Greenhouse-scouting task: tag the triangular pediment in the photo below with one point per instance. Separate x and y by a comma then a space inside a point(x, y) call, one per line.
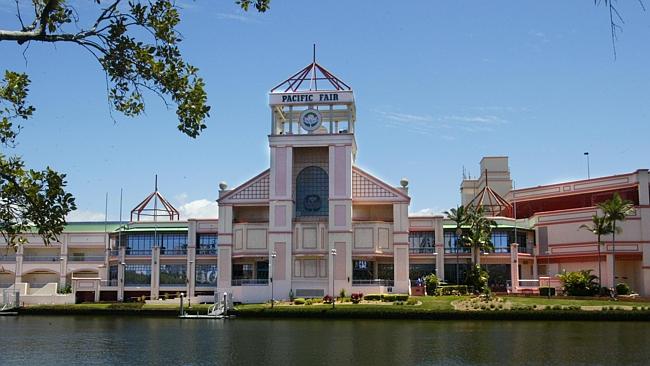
point(253, 190)
point(366, 187)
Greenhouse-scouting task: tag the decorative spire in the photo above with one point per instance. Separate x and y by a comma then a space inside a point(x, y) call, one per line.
point(313, 72)
point(144, 210)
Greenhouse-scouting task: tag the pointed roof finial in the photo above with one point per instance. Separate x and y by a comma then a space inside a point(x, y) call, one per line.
point(314, 57)
point(156, 184)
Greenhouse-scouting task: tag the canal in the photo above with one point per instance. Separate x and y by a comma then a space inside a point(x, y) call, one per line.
point(86, 340)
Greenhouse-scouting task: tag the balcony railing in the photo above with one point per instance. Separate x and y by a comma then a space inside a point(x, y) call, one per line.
point(39, 284)
point(453, 250)
point(206, 284)
point(376, 282)
point(6, 284)
point(206, 251)
point(137, 284)
point(173, 284)
point(138, 252)
point(113, 253)
point(250, 282)
point(86, 258)
point(424, 250)
point(42, 258)
point(7, 258)
point(164, 251)
point(525, 249)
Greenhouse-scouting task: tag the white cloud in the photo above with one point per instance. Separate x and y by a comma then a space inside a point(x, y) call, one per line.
point(237, 17)
point(199, 209)
point(429, 125)
point(85, 215)
point(427, 212)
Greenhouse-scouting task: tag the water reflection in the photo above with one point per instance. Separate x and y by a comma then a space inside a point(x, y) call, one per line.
point(133, 340)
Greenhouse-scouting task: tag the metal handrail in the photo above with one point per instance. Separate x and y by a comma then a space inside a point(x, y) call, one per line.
point(142, 252)
point(173, 251)
point(6, 284)
point(206, 284)
point(376, 282)
point(250, 282)
point(206, 251)
point(454, 250)
point(422, 250)
point(41, 258)
point(88, 258)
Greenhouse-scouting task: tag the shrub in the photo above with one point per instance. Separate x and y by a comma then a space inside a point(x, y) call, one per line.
point(402, 297)
point(411, 302)
point(388, 298)
point(372, 297)
point(299, 301)
point(64, 290)
point(579, 283)
point(327, 299)
point(356, 298)
point(309, 302)
point(451, 290)
point(623, 289)
point(342, 293)
point(477, 278)
point(431, 282)
point(547, 291)
point(398, 303)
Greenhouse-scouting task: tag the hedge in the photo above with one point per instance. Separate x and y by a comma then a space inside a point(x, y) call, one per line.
point(452, 290)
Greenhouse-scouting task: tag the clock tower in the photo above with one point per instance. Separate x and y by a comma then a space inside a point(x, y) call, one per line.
point(312, 148)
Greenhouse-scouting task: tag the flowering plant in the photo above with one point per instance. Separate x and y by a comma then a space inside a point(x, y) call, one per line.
point(356, 298)
point(327, 299)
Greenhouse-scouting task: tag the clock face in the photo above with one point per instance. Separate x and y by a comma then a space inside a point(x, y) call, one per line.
point(310, 119)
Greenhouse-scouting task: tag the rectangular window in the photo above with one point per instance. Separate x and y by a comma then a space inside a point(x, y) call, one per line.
point(262, 270)
point(173, 244)
point(206, 275)
point(242, 271)
point(385, 271)
point(456, 273)
point(173, 275)
point(206, 244)
point(421, 270)
point(422, 242)
point(137, 275)
point(112, 275)
point(363, 270)
point(500, 241)
point(452, 245)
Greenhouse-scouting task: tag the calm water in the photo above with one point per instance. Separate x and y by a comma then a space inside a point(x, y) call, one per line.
point(32, 340)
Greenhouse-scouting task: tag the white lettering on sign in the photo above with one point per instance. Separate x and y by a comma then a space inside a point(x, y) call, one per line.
point(311, 98)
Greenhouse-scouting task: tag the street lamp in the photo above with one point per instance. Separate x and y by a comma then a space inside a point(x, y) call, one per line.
point(273, 255)
point(548, 272)
point(333, 253)
point(588, 169)
point(459, 233)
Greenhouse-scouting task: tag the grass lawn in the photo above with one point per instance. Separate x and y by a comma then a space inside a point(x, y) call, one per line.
point(539, 300)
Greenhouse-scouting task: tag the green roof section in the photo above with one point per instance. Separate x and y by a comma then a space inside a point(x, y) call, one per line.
point(114, 226)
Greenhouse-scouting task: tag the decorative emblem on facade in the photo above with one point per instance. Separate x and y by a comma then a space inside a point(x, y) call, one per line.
point(312, 203)
point(310, 119)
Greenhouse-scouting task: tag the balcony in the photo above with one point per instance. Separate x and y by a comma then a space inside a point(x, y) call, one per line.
point(114, 253)
point(250, 282)
point(206, 251)
point(375, 282)
point(173, 284)
point(164, 251)
point(525, 249)
point(7, 258)
point(42, 258)
point(138, 252)
point(206, 284)
point(454, 250)
point(423, 250)
point(86, 258)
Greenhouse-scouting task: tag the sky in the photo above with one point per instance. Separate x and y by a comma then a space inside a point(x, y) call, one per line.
point(438, 85)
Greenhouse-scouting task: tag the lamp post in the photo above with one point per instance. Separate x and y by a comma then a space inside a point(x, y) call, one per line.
point(586, 153)
point(333, 253)
point(273, 255)
point(548, 272)
point(459, 233)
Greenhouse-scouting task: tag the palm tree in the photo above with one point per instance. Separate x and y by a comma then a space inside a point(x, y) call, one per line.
point(479, 233)
point(600, 226)
point(459, 216)
point(616, 209)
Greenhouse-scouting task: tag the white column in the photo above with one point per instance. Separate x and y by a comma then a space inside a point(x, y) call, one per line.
point(514, 266)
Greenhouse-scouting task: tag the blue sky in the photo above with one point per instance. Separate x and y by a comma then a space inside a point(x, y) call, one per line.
point(438, 85)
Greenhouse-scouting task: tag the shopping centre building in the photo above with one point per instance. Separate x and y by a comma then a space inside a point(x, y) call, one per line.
point(315, 223)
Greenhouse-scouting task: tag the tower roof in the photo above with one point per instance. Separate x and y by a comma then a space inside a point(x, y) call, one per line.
point(155, 208)
point(312, 77)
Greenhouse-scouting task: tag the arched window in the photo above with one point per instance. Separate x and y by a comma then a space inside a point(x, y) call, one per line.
point(312, 193)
